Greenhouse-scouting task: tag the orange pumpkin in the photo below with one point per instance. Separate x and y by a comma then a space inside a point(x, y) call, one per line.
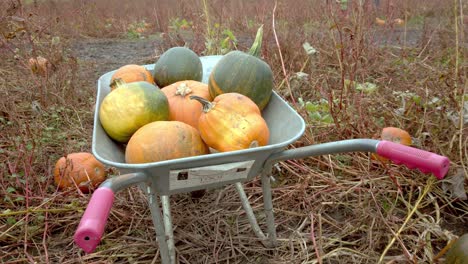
point(232, 122)
point(395, 135)
point(164, 140)
point(131, 73)
point(181, 107)
point(79, 169)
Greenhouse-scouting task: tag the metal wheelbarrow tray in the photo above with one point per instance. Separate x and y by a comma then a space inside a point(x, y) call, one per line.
point(218, 169)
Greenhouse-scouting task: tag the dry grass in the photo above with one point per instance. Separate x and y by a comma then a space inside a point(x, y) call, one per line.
point(360, 211)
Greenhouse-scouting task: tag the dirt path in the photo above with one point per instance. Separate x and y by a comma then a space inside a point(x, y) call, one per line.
point(98, 56)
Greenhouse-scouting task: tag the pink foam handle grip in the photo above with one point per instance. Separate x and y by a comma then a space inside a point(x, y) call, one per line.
point(425, 161)
point(92, 224)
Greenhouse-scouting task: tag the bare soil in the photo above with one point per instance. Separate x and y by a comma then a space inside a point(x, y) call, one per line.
point(98, 56)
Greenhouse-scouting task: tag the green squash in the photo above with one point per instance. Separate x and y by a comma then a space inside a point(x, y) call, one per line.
point(243, 73)
point(131, 106)
point(177, 64)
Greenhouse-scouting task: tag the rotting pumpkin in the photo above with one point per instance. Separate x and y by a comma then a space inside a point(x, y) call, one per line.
point(80, 169)
point(181, 107)
point(243, 73)
point(232, 122)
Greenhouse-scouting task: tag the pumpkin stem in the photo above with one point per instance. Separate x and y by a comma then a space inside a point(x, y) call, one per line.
point(254, 144)
point(117, 83)
point(257, 45)
point(207, 105)
point(183, 90)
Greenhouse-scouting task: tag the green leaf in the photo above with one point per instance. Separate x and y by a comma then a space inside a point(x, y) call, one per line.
point(416, 99)
point(11, 221)
point(19, 199)
point(366, 87)
point(257, 45)
point(55, 40)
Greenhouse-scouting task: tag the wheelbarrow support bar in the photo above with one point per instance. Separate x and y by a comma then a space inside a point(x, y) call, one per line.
point(92, 224)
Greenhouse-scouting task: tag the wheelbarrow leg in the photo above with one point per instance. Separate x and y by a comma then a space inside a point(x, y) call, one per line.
point(268, 207)
point(168, 226)
point(158, 225)
point(251, 216)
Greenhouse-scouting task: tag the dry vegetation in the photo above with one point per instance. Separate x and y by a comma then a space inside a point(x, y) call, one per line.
point(354, 206)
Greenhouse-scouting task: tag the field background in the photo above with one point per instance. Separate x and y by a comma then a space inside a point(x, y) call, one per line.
point(357, 76)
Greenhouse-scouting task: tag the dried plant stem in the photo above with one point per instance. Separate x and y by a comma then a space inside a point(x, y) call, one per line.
point(28, 211)
point(461, 119)
point(44, 238)
point(286, 77)
point(408, 217)
point(405, 250)
point(312, 235)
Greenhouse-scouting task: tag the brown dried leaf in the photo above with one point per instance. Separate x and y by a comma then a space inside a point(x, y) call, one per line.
point(455, 185)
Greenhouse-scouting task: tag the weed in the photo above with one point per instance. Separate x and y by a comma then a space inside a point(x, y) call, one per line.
point(136, 29)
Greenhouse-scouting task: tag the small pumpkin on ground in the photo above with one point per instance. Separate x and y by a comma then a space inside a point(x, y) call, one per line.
point(79, 169)
point(181, 107)
point(232, 122)
point(164, 140)
point(396, 135)
point(243, 73)
point(131, 106)
point(131, 73)
point(177, 64)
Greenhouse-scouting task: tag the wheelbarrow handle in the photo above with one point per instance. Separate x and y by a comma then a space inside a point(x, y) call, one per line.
point(93, 222)
point(413, 158)
point(425, 161)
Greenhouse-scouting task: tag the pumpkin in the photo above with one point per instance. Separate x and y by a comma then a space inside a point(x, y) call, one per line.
point(232, 122)
point(177, 64)
point(164, 140)
point(131, 73)
point(396, 135)
point(243, 73)
point(131, 106)
point(458, 252)
point(181, 107)
point(79, 169)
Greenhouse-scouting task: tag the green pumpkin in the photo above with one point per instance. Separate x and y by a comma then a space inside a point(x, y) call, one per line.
point(177, 64)
point(243, 73)
point(458, 252)
point(131, 106)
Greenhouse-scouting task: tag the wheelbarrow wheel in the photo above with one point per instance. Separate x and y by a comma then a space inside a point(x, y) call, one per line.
point(196, 195)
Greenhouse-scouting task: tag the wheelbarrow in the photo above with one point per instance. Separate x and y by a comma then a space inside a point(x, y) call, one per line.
point(161, 179)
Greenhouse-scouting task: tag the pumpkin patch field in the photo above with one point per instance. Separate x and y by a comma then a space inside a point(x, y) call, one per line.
point(389, 70)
